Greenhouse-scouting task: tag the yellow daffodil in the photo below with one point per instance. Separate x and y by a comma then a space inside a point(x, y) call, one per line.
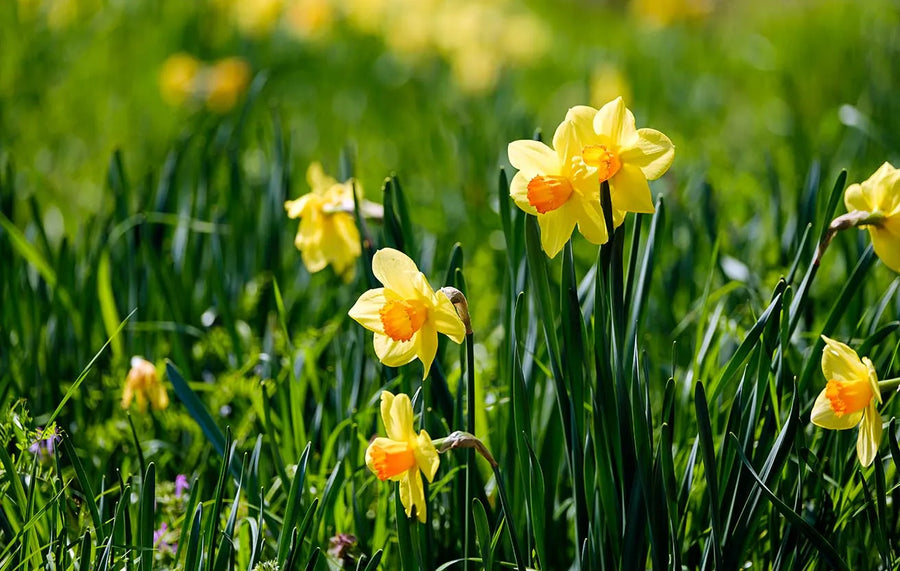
point(401, 455)
point(406, 315)
point(144, 385)
point(557, 186)
point(328, 233)
point(561, 186)
point(177, 78)
point(226, 81)
point(850, 398)
point(880, 197)
point(625, 156)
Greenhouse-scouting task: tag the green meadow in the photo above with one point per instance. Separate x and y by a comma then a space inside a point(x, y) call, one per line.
point(217, 350)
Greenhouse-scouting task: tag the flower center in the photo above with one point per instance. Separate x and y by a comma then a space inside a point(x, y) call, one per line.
point(402, 318)
point(848, 397)
point(548, 193)
point(606, 161)
point(390, 458)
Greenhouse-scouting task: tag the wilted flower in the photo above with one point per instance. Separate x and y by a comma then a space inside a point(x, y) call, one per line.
point(144, 385)
point(406, 315)
point(401, 455)
point(343, 547)
point(879, 195)
point(328, 233)
point(850, 398)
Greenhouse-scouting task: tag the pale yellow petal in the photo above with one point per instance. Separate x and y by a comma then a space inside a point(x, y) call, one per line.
point(394, 353)
point(841, 363)
point(591, 223)
point(533, 158)
point(518, 191)
point(415, 494)
point(887, 194)
point(318, 181)
point(616, 122)
point(366, 310)
point(445, 319)
point(556, 228)
point(652, 151)
point(427, 456)
point(869, 438)
point(426, 343)
point(396, 271)
point(822, 415)
point(397, 416)
point(406, 496)
point(295, 208)
point(576, 130)
point(887, 244)
point(629, 190)
point(854, 199)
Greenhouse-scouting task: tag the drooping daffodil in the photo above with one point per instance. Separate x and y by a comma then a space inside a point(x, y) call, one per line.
point(850, 398)
point(879, 196)
point(328, 234)
point(144, 386)
point(403, 454)
point(561, 185)
point(406, 314)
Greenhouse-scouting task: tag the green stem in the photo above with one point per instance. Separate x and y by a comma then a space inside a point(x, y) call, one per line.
point(510, 520)
point(889, 384)
point(470, 428)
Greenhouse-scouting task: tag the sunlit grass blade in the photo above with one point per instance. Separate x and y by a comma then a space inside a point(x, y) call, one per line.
point(147, 518)
point(292, 507)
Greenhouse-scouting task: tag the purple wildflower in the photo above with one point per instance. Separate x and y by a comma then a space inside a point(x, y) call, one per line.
point(181, 484)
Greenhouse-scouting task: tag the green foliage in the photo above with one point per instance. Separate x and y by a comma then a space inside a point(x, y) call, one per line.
point(647, 403)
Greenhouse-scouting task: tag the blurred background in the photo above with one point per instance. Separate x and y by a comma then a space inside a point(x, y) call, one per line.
point(434, 90)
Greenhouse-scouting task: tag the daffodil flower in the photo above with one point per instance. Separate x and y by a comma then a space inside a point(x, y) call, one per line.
point(850, 398)
point(561, 185)
point(406, 315)
point(403, 454)
point(328, 233)
point(143, 385)
point(625, 156)
point(880, 197)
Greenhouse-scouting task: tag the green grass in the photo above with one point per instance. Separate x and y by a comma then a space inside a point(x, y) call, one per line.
point(647, 401)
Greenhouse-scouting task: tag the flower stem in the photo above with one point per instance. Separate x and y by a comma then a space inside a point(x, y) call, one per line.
point(510, 520)
point(470, 428)
point(889, 384)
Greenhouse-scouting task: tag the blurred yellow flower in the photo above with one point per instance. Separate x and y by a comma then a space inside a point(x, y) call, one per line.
point(226, 81)
point(625, 156)
point(406, 315)
point(143, 384)
point(880, 196)
point(256, 18)
point(307, 18)
point(328, 232)
point(850, 398)
point(177, 78)
point(557, 186)
point(401, 455)
point(667, 12)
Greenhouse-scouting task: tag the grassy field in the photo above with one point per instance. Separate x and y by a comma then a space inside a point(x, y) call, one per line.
point(182, 387)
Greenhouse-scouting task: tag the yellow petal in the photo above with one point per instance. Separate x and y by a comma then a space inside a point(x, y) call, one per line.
point(366, 310)
point(394, 353)
point(295, 208)
point(854, 199)
point(652, 151)
point(396, 271)
point(841, 363)
point(426, 343)
point(533, 158)
point(317, 179)
point(822, 415)
point(518, 191)
point(556, 228)
point(616, 122)
point(573, 133)
point(427, 456)
point(887, 195)
point(393, 455)
point(591, 223)
point(629, 190)
point(412, 490)
point(869, 436)
point(445, 318)
point(405, 493)
point(886, 242)
point(397, 416)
